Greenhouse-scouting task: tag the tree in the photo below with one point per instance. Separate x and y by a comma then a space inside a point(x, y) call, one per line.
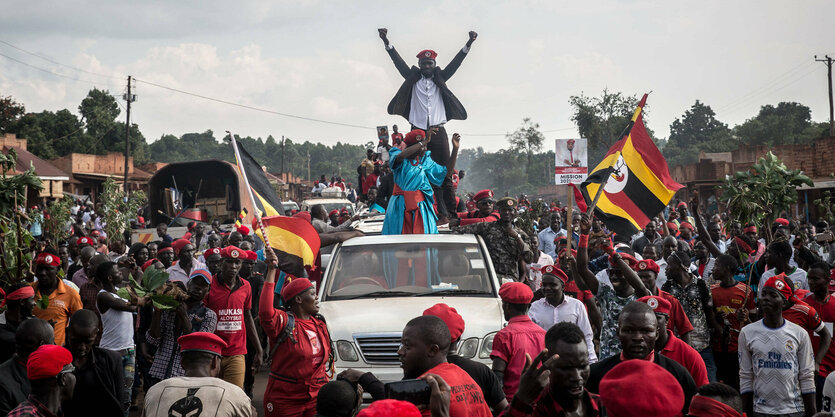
point(528, 139)
point(50, 135)
point(602, 119)
point(15, 241)
point(118, 209)
point(696, 131)
point(760, 194)
point(10, 112)
point(99, 111)
point(786, 123)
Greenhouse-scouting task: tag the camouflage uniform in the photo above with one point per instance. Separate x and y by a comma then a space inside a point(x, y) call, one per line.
point(503, 249)
point(611, 305)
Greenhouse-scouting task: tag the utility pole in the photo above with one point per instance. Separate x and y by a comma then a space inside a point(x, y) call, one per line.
point(282, 154)
point(308, 165)
point(130, 98)
point(828, 62)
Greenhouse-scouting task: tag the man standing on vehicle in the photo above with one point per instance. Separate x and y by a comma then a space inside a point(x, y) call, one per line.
point(506, 243)
point(484, 213)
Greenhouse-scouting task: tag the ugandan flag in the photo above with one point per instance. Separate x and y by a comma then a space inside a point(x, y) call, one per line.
point(639, 184)
point(241, 217)
point(266, 200)
point(293, 235)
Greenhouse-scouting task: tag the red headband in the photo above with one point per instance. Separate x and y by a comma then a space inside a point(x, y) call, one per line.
point(708, 407)
point(18, 294)
point(165, 249)
point(750, 229)
point(742, 245)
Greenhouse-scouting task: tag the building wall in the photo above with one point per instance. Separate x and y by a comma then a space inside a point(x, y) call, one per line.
point(12, 141)
point(77, 163)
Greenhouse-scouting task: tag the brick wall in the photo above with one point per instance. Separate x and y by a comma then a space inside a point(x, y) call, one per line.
point(12, 141)
point(113, 163)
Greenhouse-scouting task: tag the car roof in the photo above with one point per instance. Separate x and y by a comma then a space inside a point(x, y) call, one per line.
point(426, 238)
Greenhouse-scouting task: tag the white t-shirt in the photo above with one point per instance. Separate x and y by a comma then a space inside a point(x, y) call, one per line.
point(536, 269)
point(828, 393)
point(777, 366)
point(214, 396)
point(571, 310)
point(117, 327)
point(798, 277)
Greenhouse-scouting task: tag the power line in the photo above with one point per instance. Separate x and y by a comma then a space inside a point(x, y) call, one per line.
point(771, 83)
point(742, 105)
point(58, 63)
point(55, 73)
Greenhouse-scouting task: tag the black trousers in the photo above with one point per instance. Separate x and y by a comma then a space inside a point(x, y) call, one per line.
point(445, 194)
point(727, 368)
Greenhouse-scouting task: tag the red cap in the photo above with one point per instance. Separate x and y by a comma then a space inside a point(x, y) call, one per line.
point(242, 229)
point(657, 304)
point(672, 226)
point(481, 195)
point(390, 408)
point(179, 244)
point(411, 138)
point(84, 240)
point(686, 225)
point(148, 263)
point(294, 288)
point(516, 293)
point(201, 273)
point(570, 141)
point(211, 251)
point(48, 259)
point(47, 362)
point(781, 284)
point(648, 265)
point(201, 342)
point(553, 270)
point(251, 256)
point(782, 222)
point(426, 54)
point(233, 252)
point(624, 390)
point(303, 215)
point(681, 204)
point(332, 212)
point(453, 320)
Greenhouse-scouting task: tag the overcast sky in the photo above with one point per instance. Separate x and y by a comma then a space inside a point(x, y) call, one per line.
point(324, 60)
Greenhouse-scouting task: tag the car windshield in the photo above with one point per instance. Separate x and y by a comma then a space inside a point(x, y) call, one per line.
point(408, 269)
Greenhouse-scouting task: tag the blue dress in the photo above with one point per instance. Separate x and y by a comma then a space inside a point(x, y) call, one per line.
point(413, 175)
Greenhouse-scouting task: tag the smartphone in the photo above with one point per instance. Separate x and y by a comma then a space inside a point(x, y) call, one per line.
point(415, 391)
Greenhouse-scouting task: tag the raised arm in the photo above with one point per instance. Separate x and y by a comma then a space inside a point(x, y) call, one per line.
point(399, 63)
point(450, 164)
point(417, 147)
point(704, 237)
point(583, 256)
point(630, 276)
point(453, 65)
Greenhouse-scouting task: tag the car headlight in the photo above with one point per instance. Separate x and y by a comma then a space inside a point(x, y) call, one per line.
point(486, 346)
point(346, 351)
point(468, 348)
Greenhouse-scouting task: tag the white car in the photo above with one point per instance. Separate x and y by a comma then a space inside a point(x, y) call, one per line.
point(375, 284)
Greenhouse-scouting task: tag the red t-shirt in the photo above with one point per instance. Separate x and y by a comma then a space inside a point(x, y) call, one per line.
point(229, 305)
point(826, 310)
point(466, 398)
point(728, 300)
point(687, 357)
point(678, 322)
point(805, 316)
point(370, 181)
point(510, 344)
point(572, 290)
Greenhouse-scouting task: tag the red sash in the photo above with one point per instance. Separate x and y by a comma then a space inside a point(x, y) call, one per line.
point(412, 220)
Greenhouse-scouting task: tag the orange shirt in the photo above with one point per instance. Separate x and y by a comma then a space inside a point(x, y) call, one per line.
point(62, 303)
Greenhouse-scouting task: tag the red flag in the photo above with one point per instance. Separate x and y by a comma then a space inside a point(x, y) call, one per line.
point(292, 235)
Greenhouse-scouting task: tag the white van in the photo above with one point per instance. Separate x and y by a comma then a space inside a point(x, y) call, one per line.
point(374, 285)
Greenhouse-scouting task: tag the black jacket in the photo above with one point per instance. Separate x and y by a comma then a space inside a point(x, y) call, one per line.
point(100, 384)
point(14, 385)
point(401, 103)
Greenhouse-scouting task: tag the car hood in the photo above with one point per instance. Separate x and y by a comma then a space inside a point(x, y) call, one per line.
point(482, 315)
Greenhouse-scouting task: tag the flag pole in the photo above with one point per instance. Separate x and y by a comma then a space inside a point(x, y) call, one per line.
point(249, 191)
point(599, 192)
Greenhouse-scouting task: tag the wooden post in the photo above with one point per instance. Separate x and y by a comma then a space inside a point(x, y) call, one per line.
point(569, 212)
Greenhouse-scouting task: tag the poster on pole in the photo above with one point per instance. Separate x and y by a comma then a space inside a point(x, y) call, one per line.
point(382, 133)
point(571, 161)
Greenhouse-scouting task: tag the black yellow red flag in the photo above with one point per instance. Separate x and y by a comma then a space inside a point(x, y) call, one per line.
point(266, 200)
point(639, 184)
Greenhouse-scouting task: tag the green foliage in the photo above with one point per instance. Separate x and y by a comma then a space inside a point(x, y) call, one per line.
point(601, 120)
point(13, 187)
point(760, 194)
point(526, 220)
point(15, 241)
point(696, 131)
point(824, 204)
point(785, 123)
point(57, 215)
point(163, 294)
point(118, 210)
point(526, 139)
point(153, 278)
point(10, 112)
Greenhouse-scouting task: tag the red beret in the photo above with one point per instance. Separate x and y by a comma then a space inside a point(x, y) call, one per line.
point(294, 288)
point(781, 284)
point(624, 390)
point(179, 244)
point(47, 362)
point(201, 273)
point(211, 251)
point(243, 230)
point(426, 54)
point(84, 240)
point(481, 195)
point(782, 222)
point(332, 212)
point(657, 304)
point(303, 215)
point(453, 320)
point(648, 265)
point(233, 252)
point(516, 293)
point(47, 259)
point(148, 263)
point(629, 259)
point(563, 250)
point(553, 270)
point(571, 141)
point(686, 225)
point(251, 256)
point(682, 204)
point(672, 226)
point(390, 408)
point(411, 138)
point(201, 342)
